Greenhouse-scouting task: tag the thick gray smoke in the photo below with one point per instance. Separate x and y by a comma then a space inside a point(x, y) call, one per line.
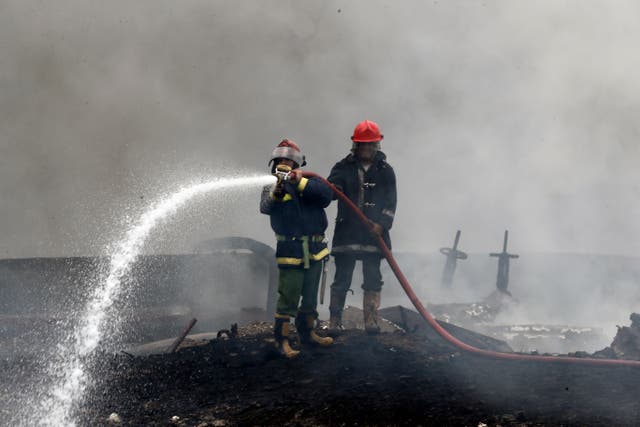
point(496, 114)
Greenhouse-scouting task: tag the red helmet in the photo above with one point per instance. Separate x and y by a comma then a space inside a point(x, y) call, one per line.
point(287, 149)
point(367, 131)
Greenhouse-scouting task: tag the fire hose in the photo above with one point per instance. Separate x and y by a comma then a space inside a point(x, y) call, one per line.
point(436, 326)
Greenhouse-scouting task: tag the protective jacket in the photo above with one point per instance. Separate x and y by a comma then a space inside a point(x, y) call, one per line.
point(299, 221)
point(374, 192)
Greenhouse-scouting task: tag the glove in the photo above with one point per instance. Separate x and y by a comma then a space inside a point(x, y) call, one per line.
point(376, 229)
point(295, 176)
point(278, 190)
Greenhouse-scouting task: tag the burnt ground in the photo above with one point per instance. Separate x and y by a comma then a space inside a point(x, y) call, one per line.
point(390, 379)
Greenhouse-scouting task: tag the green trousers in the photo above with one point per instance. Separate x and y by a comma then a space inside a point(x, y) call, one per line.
point(296, 283)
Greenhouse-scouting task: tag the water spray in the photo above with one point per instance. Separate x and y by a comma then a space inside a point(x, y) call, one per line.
point(76, 354)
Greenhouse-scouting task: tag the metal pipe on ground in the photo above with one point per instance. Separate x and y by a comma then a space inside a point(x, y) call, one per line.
point(174, 346)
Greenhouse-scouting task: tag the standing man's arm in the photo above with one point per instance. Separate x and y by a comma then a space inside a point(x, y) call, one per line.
point(390, 200)
point(336, 177)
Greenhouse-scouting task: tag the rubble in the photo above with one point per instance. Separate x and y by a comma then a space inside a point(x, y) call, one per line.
point(411, 321)
point(481, 317)
point(626, 343)
point(395, 378)
point(470, 314)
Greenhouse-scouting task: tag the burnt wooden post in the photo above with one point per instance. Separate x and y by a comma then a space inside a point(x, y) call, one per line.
point(504, 260)
point(453, 255)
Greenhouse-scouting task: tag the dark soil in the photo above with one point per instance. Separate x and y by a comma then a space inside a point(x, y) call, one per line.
point(390, 379)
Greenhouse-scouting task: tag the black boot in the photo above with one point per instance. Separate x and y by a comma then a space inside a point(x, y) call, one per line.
point(336, 306)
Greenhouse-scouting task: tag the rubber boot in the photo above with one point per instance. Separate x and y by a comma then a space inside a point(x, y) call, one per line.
point(336, 306)
point(370, 305)
point(305, 324)
point(335, 324)
point(281, 334)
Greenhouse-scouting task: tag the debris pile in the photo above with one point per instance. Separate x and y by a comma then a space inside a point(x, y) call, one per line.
point(395, 378)
point(626, 343)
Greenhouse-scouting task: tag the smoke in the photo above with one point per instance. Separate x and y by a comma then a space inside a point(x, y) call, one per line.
point(496, 115)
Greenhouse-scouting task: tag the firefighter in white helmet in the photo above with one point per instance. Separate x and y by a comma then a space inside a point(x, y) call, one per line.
point(296, 208)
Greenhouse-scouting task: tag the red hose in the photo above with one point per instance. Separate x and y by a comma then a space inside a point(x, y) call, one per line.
point(435, 325)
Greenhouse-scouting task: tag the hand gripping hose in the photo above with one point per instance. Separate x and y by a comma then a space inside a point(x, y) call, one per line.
point(435, 325)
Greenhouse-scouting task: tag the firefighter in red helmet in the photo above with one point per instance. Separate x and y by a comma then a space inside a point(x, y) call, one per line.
point(366, 178)
point(295, 206)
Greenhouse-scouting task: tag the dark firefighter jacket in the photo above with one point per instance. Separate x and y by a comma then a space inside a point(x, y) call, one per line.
point(299, 221)
point(374, 192)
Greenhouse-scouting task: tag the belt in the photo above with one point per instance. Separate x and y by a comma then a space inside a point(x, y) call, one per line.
point(305, 244)
point(316, 238)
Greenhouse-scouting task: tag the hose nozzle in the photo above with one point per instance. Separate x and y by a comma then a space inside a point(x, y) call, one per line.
point(282, 173)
